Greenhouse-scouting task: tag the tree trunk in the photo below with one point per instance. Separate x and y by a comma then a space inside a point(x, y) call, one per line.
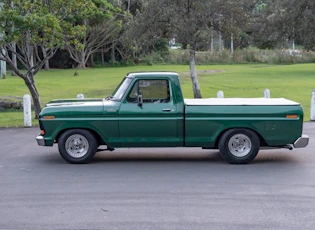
point(293, 41)
point(92, 60)
point(113, 53)
point(128, 7)
point(102, 53)
point(220, 35)
point(193, 74)
point(232, 44)
point(211, 41)
point(82, 63)
point(35, 96)
point(45, 55)
point(31, 75)
point(14, 58)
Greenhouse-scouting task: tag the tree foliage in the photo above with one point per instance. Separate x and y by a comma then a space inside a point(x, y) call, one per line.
point(31, 24)
point(186, 20)
point(102, 28)
point(277, 22)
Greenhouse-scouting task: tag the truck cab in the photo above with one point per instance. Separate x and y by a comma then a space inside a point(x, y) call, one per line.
point(151, 113)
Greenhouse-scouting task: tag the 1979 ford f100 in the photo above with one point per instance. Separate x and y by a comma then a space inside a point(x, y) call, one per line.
point(148, 110)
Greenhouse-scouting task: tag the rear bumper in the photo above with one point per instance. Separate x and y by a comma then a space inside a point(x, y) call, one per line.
point(40, 140)
point(301, 142)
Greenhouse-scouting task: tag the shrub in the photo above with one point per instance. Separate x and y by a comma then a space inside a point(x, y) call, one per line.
point(248, 55)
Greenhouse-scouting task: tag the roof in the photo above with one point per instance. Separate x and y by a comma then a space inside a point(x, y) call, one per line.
point(151, 73)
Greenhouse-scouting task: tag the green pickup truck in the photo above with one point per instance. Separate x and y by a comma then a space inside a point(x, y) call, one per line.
point(148, 110)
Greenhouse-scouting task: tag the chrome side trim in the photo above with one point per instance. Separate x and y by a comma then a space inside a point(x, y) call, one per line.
point(40, 140)
point(301, 142)
point(290, 147)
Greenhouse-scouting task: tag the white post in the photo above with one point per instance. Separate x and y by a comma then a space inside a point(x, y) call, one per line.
point(3, 68)
point(313, 106)
point(220, 94)
point(27, 110)
point(80, 95)
point(266, 93)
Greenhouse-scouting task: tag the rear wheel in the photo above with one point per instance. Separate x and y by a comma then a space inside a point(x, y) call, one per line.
point(239, 146)
point(77, 146)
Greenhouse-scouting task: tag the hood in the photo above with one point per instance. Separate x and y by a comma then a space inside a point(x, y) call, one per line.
point(73, 107)
point(72, 101)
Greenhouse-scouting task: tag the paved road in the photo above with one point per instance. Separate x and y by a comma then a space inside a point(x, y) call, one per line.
point(154, 188)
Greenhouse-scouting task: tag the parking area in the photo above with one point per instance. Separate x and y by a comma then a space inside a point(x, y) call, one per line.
point(179, 188)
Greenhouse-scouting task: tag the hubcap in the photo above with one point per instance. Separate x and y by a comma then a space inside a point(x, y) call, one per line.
point(77, 146)
point(240, 145)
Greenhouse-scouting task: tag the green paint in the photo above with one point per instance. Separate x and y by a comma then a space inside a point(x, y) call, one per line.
point(121, 123)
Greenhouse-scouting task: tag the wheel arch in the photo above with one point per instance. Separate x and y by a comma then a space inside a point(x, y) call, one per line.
point(262, 140)
point(98, 137)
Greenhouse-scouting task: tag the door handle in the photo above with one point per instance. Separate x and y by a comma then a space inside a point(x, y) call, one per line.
point(166, 110)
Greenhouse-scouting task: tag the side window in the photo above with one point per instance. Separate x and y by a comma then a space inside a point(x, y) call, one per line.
point(152, 91)
point(132, 97)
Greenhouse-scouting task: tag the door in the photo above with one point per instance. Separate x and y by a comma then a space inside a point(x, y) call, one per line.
point(152, 121)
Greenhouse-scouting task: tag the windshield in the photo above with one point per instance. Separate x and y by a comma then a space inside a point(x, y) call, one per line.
point(121, 89)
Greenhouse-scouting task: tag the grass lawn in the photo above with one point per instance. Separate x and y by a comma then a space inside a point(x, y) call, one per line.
point(294, 82)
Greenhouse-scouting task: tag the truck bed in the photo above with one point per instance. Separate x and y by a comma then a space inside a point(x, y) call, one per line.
point(239, 101)
point(205, 119)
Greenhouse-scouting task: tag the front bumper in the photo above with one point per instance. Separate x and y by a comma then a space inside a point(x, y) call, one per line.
point(40, 140)
point(301, 142)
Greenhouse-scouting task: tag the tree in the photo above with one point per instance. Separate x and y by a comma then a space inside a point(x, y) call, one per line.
point(31, 24)
point(302, 27)
point(102, 26)
point(277, 22)
point(167, 19)
point(187, 20)
point(267, 30)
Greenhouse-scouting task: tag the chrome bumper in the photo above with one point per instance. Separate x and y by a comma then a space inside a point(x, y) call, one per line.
point(40, 140)
point(301, 142)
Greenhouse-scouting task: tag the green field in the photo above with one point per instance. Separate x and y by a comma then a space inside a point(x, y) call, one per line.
point(294, 82)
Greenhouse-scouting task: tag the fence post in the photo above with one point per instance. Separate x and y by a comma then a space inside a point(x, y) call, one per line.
point(27, 110)
point(80, 95)
point(3, 68)
point(313, 106)
point(220, 94)
point(266, 93)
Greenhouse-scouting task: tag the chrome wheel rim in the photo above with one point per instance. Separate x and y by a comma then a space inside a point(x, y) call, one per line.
point(240, 145)
point(77, 146)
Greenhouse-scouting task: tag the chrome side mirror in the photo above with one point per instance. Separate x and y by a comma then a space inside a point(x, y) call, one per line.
point(139, 99)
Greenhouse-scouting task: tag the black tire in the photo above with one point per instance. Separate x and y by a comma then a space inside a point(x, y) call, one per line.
point(77, 146)
point(239, 146)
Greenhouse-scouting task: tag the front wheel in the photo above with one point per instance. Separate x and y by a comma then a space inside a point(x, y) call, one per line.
point(239, 146)
point(77, 146)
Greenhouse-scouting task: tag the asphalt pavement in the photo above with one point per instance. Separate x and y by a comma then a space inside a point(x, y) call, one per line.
point(168, 188)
